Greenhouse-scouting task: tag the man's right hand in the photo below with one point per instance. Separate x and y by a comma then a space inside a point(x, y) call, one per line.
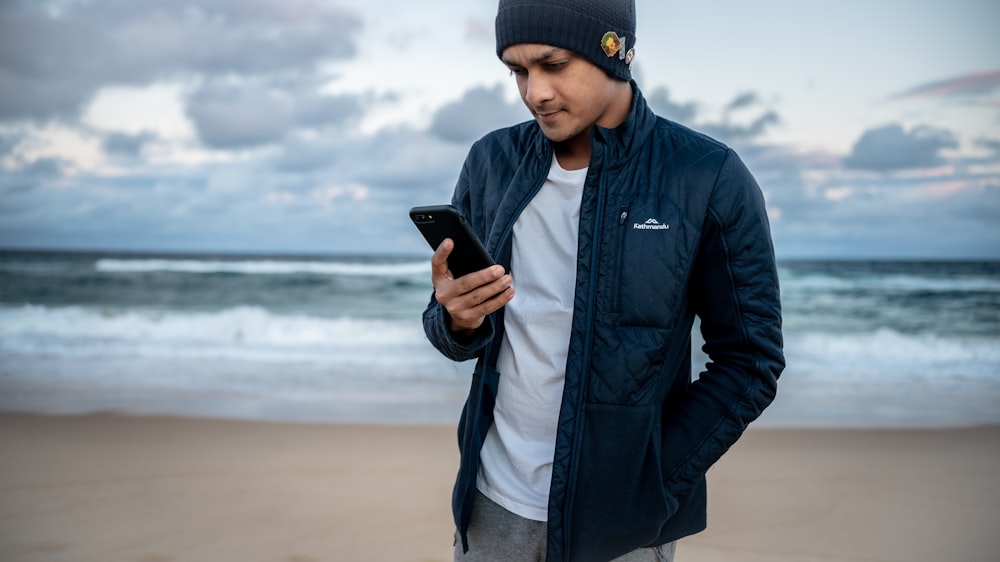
point(470, 298)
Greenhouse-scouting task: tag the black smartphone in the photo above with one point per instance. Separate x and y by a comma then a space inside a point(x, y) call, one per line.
point(437, 222)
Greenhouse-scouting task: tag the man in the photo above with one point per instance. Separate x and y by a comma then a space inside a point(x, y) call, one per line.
point(583, 437)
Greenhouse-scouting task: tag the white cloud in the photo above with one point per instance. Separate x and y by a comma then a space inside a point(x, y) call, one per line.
point(157, 108)
point(837, 193)
point(79, 150)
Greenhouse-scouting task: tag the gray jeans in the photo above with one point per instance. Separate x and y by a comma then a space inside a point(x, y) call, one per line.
point(497, 535)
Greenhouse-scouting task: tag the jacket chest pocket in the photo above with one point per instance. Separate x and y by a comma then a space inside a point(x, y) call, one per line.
point(645, 254)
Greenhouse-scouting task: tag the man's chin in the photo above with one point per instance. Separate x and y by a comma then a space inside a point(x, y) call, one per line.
point(555, 134)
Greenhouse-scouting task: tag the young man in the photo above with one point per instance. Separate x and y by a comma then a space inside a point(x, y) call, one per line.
point(583, 436)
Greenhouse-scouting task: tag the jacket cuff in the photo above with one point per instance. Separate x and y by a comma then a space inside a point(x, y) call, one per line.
point(436, 322)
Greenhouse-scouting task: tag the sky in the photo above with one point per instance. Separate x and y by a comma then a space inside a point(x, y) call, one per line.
point(311, 126)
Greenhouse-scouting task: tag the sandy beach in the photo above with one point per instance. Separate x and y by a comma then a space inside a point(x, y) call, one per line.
point(112, 488)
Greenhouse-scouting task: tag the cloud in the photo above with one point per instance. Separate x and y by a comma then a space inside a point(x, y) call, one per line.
point(661, 104)
point(890, 148)
point(53, 62)
point(232, 115)
point(124, 144)
point(479, 111)
point(993, 145)
point(315, 193)
point(8, 140)
point(827, 208)
point(849, 216)
point(479, 31)
point(413, 163)
point(746, 135)
point(280, 96)
point(739, 135)
point(744, 100)
point(979, 83)
point(400, 161)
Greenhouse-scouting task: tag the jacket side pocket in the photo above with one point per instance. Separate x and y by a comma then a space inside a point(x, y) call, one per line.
point(620, 503)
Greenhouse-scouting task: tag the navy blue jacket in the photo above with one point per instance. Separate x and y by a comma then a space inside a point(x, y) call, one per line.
point(672, 225)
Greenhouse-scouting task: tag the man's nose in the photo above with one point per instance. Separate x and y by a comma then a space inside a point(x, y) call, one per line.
point(538, 89)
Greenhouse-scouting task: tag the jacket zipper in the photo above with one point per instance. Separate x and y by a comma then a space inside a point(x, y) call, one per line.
point(616, 279)
point(585, 371)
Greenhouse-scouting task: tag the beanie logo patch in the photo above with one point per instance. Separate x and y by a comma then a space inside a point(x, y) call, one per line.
point(612, 44)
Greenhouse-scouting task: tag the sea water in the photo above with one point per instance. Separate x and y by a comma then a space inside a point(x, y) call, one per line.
point(340, 339)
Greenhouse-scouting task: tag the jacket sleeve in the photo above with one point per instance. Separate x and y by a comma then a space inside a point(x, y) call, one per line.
point(734, 291)
point(435, 317)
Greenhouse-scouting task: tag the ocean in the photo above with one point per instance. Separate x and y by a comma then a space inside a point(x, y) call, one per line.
point(869, 344)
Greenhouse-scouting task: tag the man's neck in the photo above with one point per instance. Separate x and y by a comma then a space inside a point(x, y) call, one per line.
point(574, 153)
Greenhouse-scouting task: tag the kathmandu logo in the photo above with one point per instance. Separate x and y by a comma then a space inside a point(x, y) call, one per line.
point(651, 224)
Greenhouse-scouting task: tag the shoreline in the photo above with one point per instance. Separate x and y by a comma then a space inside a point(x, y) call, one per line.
point(158, 488)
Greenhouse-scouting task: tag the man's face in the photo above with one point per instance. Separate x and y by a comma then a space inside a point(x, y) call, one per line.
point(565, 93)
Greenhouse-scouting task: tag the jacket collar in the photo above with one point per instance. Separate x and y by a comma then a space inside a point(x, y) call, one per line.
point(620, 142)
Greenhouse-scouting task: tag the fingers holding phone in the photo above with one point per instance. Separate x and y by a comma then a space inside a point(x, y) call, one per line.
point(469, 299)
point(466, 282)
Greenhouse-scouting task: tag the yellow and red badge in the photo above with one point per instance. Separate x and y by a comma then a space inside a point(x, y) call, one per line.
point(612, 44)
point(615, 45)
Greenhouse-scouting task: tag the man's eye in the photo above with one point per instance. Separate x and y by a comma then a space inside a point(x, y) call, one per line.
point(552, 66)
point(518, 72)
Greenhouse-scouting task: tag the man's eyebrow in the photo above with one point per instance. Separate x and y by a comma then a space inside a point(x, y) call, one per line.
point(542, 57)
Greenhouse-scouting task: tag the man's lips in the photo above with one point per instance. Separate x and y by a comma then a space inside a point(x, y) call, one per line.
point(546, 115)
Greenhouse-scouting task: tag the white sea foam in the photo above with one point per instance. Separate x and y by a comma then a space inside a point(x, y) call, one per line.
point(253, 333)
point(239, 362)
point(879, 343)
point(263, 267)
point(243, 332)
point(886, 347)
point(818, 282)
point(887, 378)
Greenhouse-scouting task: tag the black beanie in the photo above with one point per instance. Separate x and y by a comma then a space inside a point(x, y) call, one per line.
point(601, 31)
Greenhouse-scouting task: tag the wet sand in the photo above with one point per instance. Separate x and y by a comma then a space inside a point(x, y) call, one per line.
point(116, 488)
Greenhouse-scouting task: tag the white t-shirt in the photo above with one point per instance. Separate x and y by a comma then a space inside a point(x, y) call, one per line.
point(516, 459)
